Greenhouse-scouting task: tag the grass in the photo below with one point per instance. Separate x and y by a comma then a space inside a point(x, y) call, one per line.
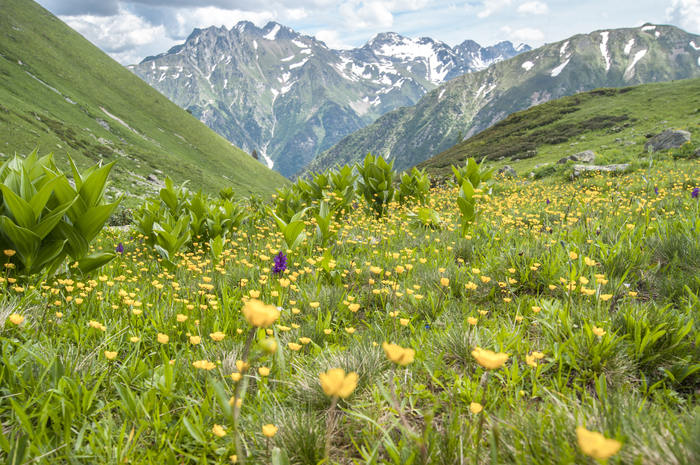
point(600, 275)
point(68, 113)
point(613, 123)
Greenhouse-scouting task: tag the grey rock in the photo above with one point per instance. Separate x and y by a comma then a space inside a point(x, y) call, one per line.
point(631, 142)
point(696, 154)
point(531, 175)
point(540, 165)
point(578, 169)
point(508, 171)
point(524, 155)
point(158, 172)
point(667, 140)
point(586, 156)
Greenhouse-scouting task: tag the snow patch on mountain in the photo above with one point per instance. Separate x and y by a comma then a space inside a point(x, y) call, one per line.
point(648, 28)
point(604, 49)
point(692, 44)
point(301, 63)
point(637, 56)
point(556, 71)
point(289, 58)
point(528, 65)
point(562, 51)
point(628, 47)
point(273, 33)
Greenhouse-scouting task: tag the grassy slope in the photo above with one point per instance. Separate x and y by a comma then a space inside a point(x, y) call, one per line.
point(31, 114)
point(582, 122)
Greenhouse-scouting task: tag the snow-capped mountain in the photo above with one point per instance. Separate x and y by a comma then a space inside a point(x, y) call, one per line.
point(290, 97)
point(475, 101)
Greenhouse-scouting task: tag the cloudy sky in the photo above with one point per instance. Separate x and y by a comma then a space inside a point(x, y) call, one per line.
point(131, 30)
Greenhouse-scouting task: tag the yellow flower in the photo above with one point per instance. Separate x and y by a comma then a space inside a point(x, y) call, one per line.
point(400, 269)
point(294, 346)
point(314, 304)
point(398, 354)
point(110, 355)
point(242, 366)
point(181, 318)
point(530, 359)
point(217, 336)
point(444, 282)
point(573, 255)
point(269, 430)
point(195, 340)
point(404, 321)
point(537, 309)
point(264, 371)
point(258, 314)
point(304, 340)
point(204, 365)
point(476, 270)
point(354, 307)
point(134, 339)
point(475, 407)
point(162, 338)
point(9, 253)
point(336, 383)
point(489, 359)
point(236, 376)
point(15, 318)
point(596, 445)
point(234, 458)
point(327, 331)
point(599, 331)
point(472, 321)
point(485, 279)
point(218, 430)
point(605, 297)
point(350, 330)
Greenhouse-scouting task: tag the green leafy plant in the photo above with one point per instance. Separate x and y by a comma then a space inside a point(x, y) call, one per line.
point(472, 180)
point(44, 219)
point(414, 188)
point(376, 183)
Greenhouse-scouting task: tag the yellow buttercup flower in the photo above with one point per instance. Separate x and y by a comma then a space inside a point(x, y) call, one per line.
point(204, 365)
point(354, 307)
point(181, 318)
point(269, 430)
point(294, 346)
point(15, 319)
point(304, 340)
point(259, 314)
point(600, 332)
point(217, 336)
point(476, 407)
point(110, 355)
point(472, 321)
point(163, 339)
point(398, 354)
point(489, 359)
point(404, 321)
point(195, 340)
point(218, 430)
point(242, 366)
point(444, 282)
point(264, 371)
point(336, 383)
point(596, 445)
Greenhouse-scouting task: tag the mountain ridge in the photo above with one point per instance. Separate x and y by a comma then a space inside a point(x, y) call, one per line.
point(289, 96)
point(473, 102)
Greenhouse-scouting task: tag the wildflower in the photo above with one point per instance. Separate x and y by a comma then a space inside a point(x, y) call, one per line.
point(404, 321)
point(400, 269)
point(398, 354)
point(548, 201)
point(120, 248)
point(489, 359)
point(600, 332)
point(444, 282)
point(314, 304)
point(110, 355)
point(181, 318)
point(242, 366)
point(530, 359)
point(16, 319)
point(59, 315)
point(9, 253)
point(204, 365)
point(218, 430)
point(134, 339)
point(354, 307)
point(304, 340)
point(162, 338)
point(327, 331)
point(596, 445)
point(485, 279)
point(695, 193)
point(280, 263)
point(605, 297)
point(336, 383)
point(217, 336)
point(294, 346)
point(537, 309)
point(195, 340)
point(475, 407)
point(573, 255)
point(258, 314)
point(269, 430)
point(472, 321)
point(97, 325)
point(350, 330)
point(236, 376)
point(264, 371)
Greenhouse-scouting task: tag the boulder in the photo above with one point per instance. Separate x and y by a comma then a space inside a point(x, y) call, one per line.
point(578, 169)
point(152, 178)
point(696, 154)
point(667, 140)
point(586, 156)
point(508, 171)
point(524, 155)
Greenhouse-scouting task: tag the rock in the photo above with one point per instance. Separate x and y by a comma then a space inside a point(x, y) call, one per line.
point(158, 172)
point(540, 165)
point(152, 178)
point(696, 154)
point(508, 171)
point(524, 155)
point(667, 140)
point(586, 156)
point(578, 169)
point(631, 142)
point(531, 175)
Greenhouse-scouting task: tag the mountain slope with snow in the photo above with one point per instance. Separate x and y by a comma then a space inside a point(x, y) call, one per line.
point(290, 97)
point(473, 102)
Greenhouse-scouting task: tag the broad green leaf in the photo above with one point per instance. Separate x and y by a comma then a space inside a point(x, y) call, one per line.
point(20, 209)
point(24, 242)
point(77, 178)
point(293, 232)
point(195, 431)
point(77, 246)
point(95, 261)
point(93, 188)
point(50, 221)
point(49, 252)
point(38, 201)
point(91, 223)
point(65, 193)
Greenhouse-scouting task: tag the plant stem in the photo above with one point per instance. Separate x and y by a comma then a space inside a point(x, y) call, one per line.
point(329, 429)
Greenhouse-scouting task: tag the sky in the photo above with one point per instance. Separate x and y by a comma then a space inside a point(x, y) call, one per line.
point(129, 31)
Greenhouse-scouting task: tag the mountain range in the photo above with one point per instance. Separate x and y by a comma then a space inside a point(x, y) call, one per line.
point(470, 103)
point(290, 97)
point(61, 93)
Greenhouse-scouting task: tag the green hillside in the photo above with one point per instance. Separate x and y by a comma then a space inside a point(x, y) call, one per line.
point(61, 93)
point(613, 123)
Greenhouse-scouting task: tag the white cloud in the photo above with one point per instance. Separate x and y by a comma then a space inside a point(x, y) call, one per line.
point(525, 34)
point(357, 15)
point(332, 39)
point(188, 19)
point(686, 13)
point(493, 6)
point(533, 8)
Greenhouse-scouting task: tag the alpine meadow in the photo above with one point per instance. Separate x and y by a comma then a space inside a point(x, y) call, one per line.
point(524, 292)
